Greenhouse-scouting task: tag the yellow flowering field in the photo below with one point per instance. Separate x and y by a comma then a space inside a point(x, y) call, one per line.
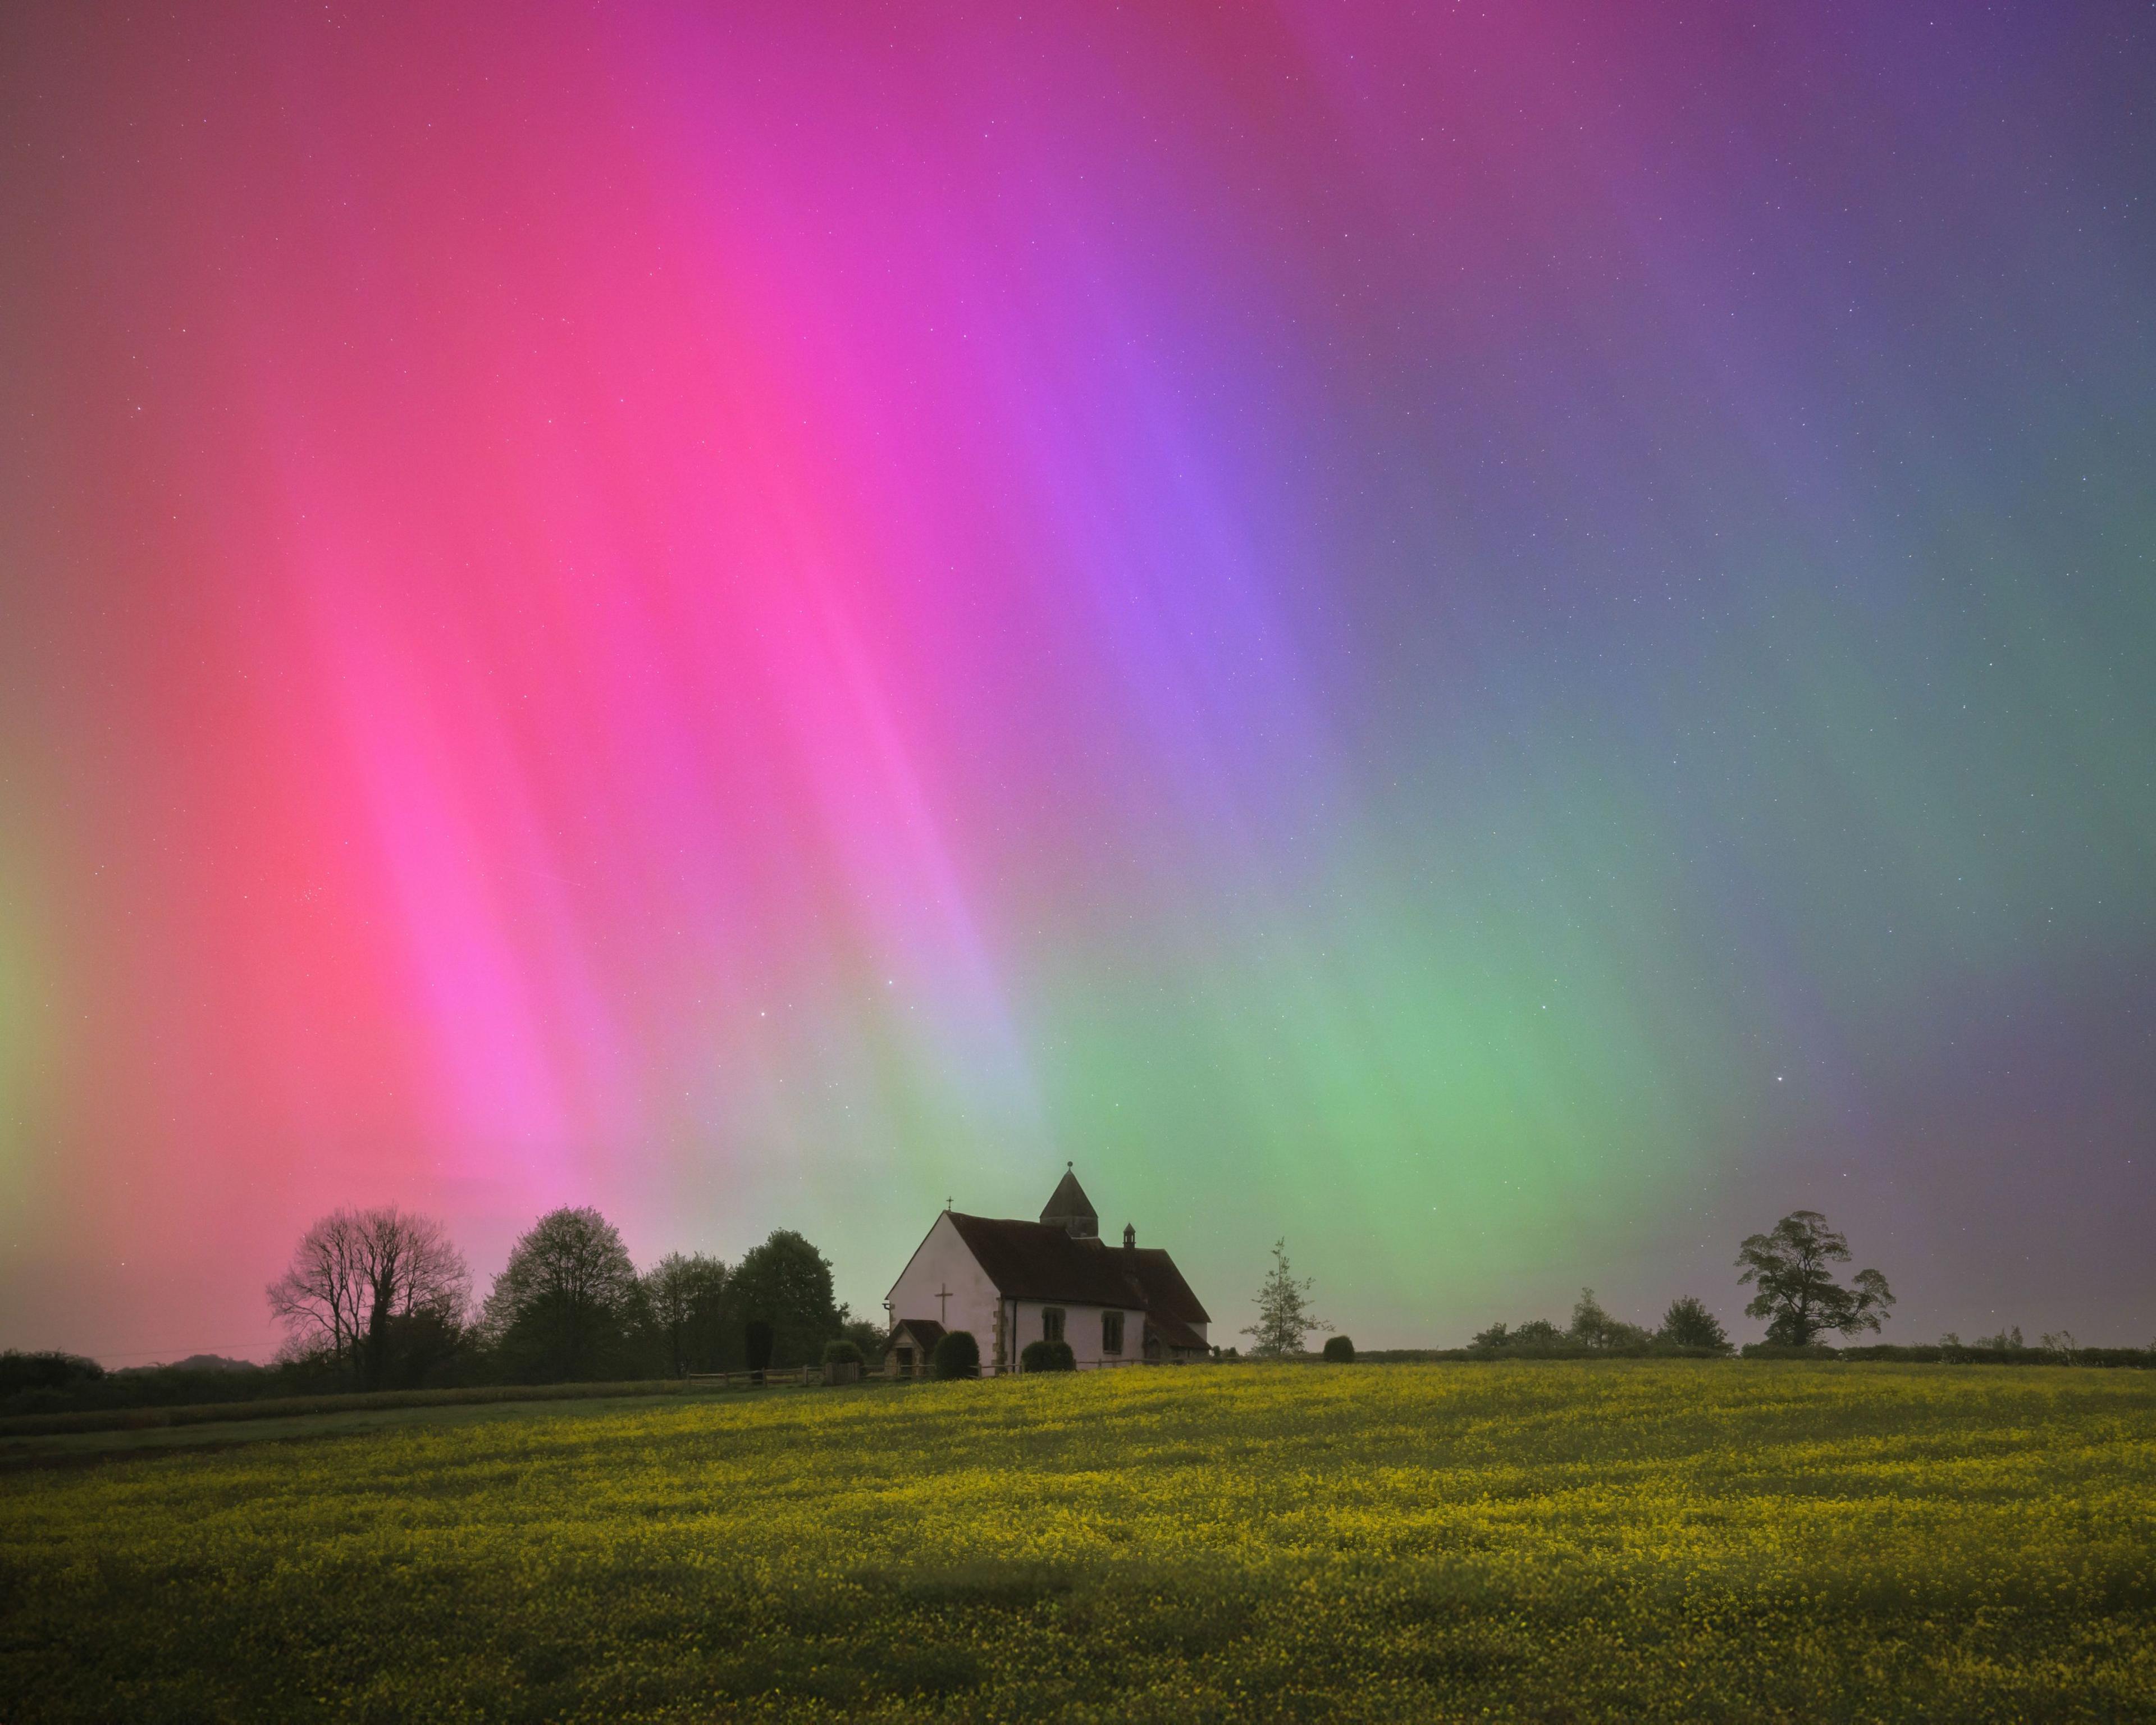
point(1627, 1540)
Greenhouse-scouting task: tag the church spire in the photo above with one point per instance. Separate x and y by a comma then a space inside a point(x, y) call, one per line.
point(1070, 1209)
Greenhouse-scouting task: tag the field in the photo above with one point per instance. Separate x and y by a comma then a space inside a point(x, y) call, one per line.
point(1618, 1541)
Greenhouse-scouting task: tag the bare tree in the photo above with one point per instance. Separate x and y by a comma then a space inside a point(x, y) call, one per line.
point(355, 1273)
point(1284, 1313)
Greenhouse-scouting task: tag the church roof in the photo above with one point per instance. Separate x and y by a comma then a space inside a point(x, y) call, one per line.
point(1038, 1260)
point(926, 1331)
point(1172, 1331)
point(1069, 1203)
point(1166, 1291)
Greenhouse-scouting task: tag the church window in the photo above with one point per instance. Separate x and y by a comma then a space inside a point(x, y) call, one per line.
point(1111, 1332)
point(1051, 1324)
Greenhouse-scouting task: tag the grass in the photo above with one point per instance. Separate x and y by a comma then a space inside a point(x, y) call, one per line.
point(1614, 1541)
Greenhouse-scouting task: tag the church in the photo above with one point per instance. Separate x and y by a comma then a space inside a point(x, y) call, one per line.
point(1012, 1283)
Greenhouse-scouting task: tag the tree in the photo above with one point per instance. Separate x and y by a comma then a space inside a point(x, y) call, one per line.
point(568, 1303)
point(1284, 1314)
point(868, 1337)
point(786, 1283)
point(1689, 1324)
point(1797, 1294)
point(363, 1281)
point(1340, 1350)
point(685, 1296)
point(1594, 1327)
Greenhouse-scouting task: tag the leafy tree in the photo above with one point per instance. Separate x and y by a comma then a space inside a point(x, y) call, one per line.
point(1489, 1340)
point(843, 1352)
point(786, 1283)
point(1797, 1294)
point(1285, 1317)
point(686, 1298)
point(1340, 1350)
point(568, 1304)
point(958, 1355)
point(1594, 1327)
point(1537, 1333)
point(363, 1281)
point(1689, 1324)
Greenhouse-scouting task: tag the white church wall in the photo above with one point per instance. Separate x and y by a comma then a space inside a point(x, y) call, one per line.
point(944, 1261)
point(1082, 1329)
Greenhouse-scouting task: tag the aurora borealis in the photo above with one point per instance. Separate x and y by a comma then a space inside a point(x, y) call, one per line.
point(1505, 642)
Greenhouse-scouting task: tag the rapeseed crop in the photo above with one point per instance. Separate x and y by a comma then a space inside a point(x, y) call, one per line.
point(1620, 1541)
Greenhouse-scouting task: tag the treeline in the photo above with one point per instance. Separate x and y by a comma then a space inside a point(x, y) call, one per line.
point(1989, 1351)
point(380, 1300)
point(1687, 1329)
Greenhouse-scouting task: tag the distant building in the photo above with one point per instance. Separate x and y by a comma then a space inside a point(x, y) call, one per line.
point(1011, 1283)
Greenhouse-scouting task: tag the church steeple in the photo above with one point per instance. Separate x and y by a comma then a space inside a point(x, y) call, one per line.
point(1070, 1209)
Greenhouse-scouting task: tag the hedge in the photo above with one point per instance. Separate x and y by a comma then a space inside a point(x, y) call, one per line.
point(286, 1407)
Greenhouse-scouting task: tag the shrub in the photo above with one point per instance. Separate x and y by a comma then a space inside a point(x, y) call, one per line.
point(958, 1355)
point(842, 1352)
point(1047, 1357)
point(1340, 1350)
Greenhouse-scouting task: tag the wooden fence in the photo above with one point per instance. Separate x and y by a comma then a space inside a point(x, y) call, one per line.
point(848, 1371)
point(777, 1376)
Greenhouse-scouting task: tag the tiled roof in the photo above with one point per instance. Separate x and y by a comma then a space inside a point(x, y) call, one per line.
point(926, 1331)
point(1166, 1291)
point(1172, 1331)
point(1032, 1260)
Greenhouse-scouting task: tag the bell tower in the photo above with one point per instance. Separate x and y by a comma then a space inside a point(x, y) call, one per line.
point(1070, 1209)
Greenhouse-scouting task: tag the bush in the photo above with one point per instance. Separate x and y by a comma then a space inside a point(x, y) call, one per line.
point(1047, 1357)
point(1340, 1350)
point(842, 1352)
point(958, 1355)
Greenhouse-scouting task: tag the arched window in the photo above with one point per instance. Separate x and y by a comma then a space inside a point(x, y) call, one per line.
point(1051, 1324)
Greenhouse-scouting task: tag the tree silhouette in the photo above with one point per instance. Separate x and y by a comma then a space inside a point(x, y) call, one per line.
point(568, 1301)
point(358, 1278)
point(1797, 1294)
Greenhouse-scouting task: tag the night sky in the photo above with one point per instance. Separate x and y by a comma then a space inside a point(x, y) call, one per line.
point(1506, 641)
